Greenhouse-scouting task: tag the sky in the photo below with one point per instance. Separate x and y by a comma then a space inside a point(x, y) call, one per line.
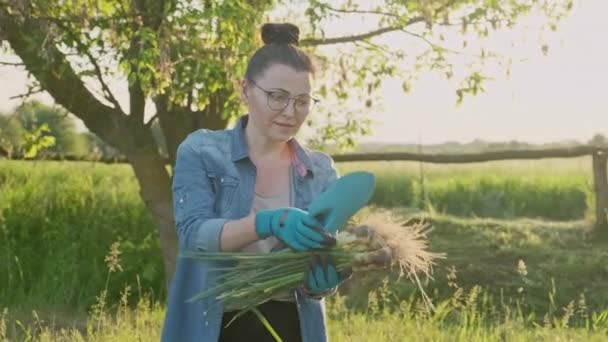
point(561, 96)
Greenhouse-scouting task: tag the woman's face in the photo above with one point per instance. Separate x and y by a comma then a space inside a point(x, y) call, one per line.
point(278, 101)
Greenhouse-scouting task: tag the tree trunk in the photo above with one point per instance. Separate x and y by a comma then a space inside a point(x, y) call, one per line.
point(155, 190)
point(600, 181)
point(177, 122)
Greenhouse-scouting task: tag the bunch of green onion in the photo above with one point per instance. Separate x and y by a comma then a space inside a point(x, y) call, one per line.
point(250, 279)
point(247, 280)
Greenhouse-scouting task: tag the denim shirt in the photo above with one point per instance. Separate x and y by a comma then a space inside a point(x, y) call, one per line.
point(213, 182)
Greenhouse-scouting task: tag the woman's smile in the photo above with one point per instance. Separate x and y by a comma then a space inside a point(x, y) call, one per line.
point(284, 125)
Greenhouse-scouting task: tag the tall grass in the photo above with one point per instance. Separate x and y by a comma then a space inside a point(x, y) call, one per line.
point(56, 223)
point(465, 316)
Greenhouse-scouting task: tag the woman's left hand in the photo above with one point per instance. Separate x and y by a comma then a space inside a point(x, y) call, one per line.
point(322, 275)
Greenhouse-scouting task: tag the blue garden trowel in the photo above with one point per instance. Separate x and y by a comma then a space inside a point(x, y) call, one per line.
point(344, 197)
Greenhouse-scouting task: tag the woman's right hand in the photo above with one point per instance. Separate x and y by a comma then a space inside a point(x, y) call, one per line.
point(294, 227)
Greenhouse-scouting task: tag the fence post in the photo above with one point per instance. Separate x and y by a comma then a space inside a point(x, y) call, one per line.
point(600, 182)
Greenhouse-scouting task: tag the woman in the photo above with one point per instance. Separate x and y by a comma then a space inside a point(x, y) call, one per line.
point(245, 189)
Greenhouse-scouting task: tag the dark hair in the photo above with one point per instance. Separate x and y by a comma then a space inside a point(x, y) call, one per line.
point(281, 47)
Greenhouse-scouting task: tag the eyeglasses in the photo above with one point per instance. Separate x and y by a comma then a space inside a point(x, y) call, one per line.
point(278, 100)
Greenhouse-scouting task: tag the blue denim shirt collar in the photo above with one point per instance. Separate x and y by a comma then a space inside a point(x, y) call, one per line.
point(240, 149)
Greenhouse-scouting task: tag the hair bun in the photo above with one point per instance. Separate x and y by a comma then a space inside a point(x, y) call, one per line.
point(280, 33)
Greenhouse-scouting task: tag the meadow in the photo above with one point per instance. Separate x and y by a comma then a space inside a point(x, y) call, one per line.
point(522, 262)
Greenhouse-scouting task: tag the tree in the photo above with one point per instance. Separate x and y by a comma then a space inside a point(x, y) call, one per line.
point(11, 135)
point(61, 125)
point(185, 55)
point(598, 140)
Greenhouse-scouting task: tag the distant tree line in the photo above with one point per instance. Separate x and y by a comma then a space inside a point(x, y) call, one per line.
point(17, 127)
point(36, 120)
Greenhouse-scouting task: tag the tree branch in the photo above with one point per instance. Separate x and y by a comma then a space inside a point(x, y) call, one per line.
point(353, 38)
point(26, 95)
point(11, 64)
point(430, 43)
point(190, 97)
point(371, 34)
point(108, 95)
point(55, 74)
point(339, 10)
point(137, 102)
point(107, 92)
point(153, 17)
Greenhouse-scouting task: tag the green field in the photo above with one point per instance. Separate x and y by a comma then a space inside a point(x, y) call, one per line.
point(58, 220)
point(555, 189)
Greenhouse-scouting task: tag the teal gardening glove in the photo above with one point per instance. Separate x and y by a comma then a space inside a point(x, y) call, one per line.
point(321, 275)
point(293, 227)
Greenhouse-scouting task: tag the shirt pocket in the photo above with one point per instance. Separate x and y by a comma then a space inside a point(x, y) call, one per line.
point(225, 188)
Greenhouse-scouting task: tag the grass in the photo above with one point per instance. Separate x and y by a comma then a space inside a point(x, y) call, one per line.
point(57, 221)
point(506, 277)
point(58, 218)
point(555, 189)
point(465, 316)
point(482, 292)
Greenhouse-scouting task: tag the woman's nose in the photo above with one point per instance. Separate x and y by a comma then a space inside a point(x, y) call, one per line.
point(290, 110)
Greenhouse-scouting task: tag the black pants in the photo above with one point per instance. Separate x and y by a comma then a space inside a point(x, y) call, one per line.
point(282, 316)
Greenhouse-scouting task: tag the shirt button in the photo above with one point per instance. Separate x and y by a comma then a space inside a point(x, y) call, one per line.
point(221, 180)
point(181, 200)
